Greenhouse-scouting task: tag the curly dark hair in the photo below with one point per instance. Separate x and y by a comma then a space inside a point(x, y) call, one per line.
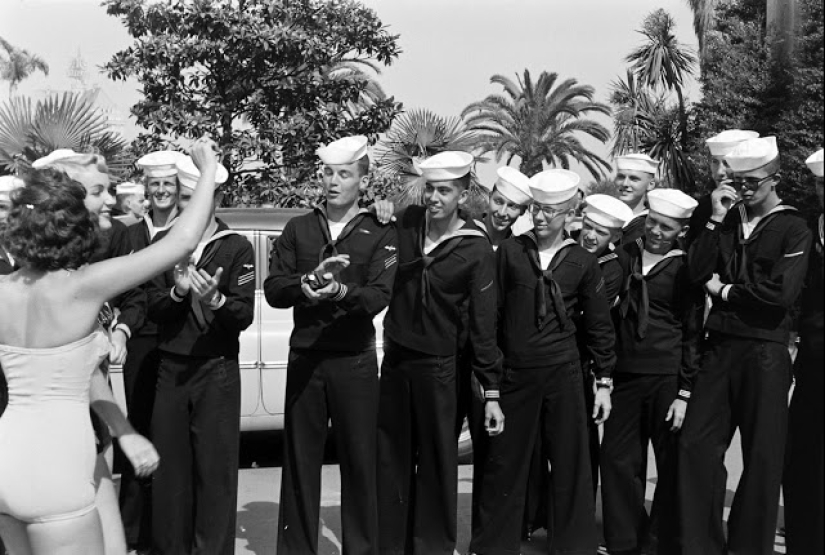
point(49, 227)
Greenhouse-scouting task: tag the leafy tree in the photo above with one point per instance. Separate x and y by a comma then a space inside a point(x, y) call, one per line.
point(743, 87)
point(271, 80)
point(31, 130)
point(539, 122)
point(413, 137)
point(19, 64)
point(662, 62)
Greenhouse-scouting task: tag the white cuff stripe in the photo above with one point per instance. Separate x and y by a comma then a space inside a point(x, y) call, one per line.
point(125, 329)
point(492, 394)
point(174, 296)
point(791, 255)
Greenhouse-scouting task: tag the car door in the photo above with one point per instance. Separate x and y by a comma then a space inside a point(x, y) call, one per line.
point(249, 354)
point(276, 328)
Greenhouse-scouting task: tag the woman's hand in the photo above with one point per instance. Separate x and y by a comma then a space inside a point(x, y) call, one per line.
point(204, 153)
point(140, 452)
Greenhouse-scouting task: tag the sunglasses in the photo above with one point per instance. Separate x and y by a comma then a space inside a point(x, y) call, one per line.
point(751, 183)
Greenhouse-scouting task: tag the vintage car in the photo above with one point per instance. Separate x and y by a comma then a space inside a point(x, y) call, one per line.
point(265, 344)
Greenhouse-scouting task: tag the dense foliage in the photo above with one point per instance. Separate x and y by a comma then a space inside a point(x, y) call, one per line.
point(744, 86)
point(270, 80)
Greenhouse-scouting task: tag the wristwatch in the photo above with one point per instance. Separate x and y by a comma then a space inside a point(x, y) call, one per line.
point(604, 383)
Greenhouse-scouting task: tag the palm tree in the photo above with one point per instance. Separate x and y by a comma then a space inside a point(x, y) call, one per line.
point(662, 62)
point(634, 112)
point(353, 70)
point(69, 121)
point(19, 64)
point(539, 122)
point(703, 15)
point(413, 137)
point(647, 123)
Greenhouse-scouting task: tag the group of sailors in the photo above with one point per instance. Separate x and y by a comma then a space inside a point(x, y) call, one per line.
point(664, 319)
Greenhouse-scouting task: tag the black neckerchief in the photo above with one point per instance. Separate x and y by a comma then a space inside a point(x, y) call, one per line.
point(546, 277)
point(638, 281)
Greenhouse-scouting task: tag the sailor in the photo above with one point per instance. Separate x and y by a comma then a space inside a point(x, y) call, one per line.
point(803, 483)
point(635, 176)
point(444, 261)
point(603, 217)
point(658, 331)
point(201, 307)
point(508, 201)
point(718, 147)
point(752, 256)
point(140, 371)
point(131, 202)
point(335, 267)
point(544, 279)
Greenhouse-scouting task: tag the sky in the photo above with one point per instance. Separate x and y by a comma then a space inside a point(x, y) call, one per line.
point(450, 48)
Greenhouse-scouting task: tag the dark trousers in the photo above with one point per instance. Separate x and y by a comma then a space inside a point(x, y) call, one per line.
point(536, 504)
point(549, 399)
point(140, 376)
point(743, 383)
point(471, 407)
point(417, 453)
point(344, 387)
point(640, 405)
point(804, 468)
point(195, 427)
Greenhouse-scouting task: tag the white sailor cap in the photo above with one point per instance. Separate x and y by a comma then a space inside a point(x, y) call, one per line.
point(814, 163)
point(188, 173)
point(607, 211)
point(59, 154)
point(9, 183)
point(637, 162)
point(160, 163)
point(129, 188)
point(514, 185)
point(446, 166)
point(723, 143)
point(672, 203)
point(554, 186)
point(753, 154)
point(343, 151)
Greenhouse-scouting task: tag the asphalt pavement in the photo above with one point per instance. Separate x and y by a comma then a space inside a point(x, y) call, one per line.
point(259, 483)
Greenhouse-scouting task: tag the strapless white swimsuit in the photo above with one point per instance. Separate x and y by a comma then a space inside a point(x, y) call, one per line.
point(47, 446)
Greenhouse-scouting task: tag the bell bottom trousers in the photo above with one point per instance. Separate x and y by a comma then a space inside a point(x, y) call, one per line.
point(548, 401)
point(342, 387)
point(804, 468)
point(417, 453)
point(743, 383)
point(196, 430)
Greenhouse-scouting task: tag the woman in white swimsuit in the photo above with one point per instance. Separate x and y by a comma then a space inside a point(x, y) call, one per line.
point(50, 350)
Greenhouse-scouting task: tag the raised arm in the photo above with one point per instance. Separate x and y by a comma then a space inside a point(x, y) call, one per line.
point(104, 280)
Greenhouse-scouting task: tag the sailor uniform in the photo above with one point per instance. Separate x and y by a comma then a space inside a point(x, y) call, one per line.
point(417, 501)
point(197, 406)
point(332, 374)
point(743, 381)
point(658, 331)
point(140, 375)
point(542, 390)
point(803, 481)
point(634, 229)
